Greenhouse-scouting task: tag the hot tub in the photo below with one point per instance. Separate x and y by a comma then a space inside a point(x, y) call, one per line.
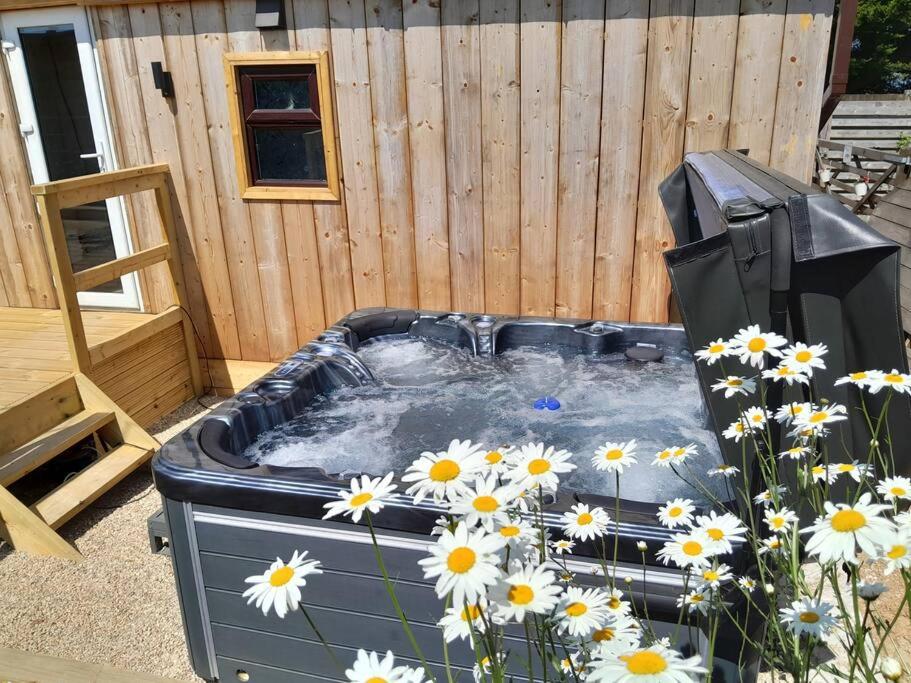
point(248, 482)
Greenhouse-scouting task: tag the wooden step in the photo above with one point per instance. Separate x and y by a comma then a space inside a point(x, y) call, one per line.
point(69, 498)
point(53, 442)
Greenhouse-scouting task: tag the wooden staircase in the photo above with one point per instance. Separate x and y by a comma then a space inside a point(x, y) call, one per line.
point(73, 410)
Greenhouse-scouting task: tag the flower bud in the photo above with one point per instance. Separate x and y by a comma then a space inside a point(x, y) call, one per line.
point(628, 580)
point(642, 546)
point(769, 588)
point(891, 668)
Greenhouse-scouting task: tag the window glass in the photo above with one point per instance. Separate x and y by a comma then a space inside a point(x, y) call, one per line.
point(294, 154)
point(270, 93)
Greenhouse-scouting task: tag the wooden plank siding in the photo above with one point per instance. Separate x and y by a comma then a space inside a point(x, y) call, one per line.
point(496, 155)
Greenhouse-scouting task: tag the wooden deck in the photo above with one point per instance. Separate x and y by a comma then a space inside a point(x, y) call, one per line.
point(139, 360)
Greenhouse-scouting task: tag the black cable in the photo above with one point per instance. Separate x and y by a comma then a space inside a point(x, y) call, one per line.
point(211, 386)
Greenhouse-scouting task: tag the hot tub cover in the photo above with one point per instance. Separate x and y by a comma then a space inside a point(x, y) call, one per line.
point(757, 247)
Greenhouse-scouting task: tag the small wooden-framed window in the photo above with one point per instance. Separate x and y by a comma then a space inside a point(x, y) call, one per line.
point(282, 125)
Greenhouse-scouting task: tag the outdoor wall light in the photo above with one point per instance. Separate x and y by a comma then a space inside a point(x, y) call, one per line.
point(162, 80)
point(270, 14)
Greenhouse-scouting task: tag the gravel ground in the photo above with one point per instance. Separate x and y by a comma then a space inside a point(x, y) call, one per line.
point(119, 605)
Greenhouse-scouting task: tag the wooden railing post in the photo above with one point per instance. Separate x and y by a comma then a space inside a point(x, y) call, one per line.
point(62, 269)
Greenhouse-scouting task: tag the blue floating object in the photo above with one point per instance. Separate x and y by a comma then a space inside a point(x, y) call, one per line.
point(547, 403)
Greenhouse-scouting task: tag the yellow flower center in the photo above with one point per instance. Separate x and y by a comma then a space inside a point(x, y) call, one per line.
point(710, 575)
point(784, 371)
point(664, 455)
point(897, 552)
point(893, 378)
point(716, 348)
point(715, 534)
point(376, 679)
point(613, 454)
point(738, 427)
point(471, 612)
point(809, 617)
point(614, 602)
point(603, 634)
point(509, 531)
point(819, 416)
point(845, 467)
point(735, 382)
point(898, 491)
point(576, 609)
point(848, 521)
point(680, 451)
point(778, 522)
point(538, 466)
point(696, 599)
point(360, 499)
point(644, 663)
point(461, 560)
point(485, 504)
point(803, 356)
point(493, 457)
point(757, 417)
point(756, 344)
point(445, 470)
point(584, 519)
point(857, 376)
point(520, 594)
point(818, 469)
point(692, 548)
point(675, 511)
point(281, 576)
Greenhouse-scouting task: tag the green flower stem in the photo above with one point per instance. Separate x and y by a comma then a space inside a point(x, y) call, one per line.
point(395, 601)
point(337, 664)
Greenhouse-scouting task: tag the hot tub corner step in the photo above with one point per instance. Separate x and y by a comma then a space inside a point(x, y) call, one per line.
point(77, 493)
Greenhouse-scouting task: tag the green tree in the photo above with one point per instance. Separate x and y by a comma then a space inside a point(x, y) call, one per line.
point(881, 52)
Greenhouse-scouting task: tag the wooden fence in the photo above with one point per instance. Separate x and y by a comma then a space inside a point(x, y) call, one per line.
point(497, 155)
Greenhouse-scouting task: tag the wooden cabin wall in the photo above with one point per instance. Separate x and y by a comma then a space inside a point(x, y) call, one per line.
point(496, 155)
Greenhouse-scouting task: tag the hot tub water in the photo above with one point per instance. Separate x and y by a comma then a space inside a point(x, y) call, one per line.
point(428, 392)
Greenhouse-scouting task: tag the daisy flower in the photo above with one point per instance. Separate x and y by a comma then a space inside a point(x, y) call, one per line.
point(443, 475)
point(723, 471)
point(457, 624)
point(655, 664)
point(713, 351)
point(785, 373)
point(369, 668)
point(620, 634)
point(484, 505)
point(795, 452)
point(615, 456)
point(735, 431)
point(870, 591)
point(755, 417)
point(368, 494)
point(860, 378)
point(822, 473)
point(464, 563)
point(483, 670)
point(897, 551)
point(855, 469)
point(723, 530)
point(779, 521)
point(677, 512)
point(844, 526)
point(804, 359)
point(895, 488)
point(563, 546)
point(279, 586)
point(771, 545)
point(821, 416)
point(583, 522)
point(582, 611)
point(715, 576)
point(616, 605)
point(895, 380)
point(733, 385)
point(537, 466)
point(573, 664)
point(690, 549)
point(808, 616)
point(529, 590)
point(498, 460)
point(768, 496)
point(695, 600)
point(747, 584)
point(788, 412)
point(517, 532)
point(751, 345)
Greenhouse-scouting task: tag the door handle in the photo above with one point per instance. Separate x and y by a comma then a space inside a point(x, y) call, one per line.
point(93, 155)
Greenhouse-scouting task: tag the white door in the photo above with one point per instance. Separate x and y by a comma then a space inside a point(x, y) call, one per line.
point(63, 119)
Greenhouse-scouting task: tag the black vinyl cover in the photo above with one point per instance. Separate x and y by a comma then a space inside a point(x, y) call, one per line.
point(757, 247)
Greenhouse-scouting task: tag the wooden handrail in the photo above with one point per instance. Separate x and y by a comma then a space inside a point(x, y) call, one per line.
point(92, 188)
point(98, 275)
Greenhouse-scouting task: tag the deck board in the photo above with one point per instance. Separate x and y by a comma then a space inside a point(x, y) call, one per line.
point(33, 348)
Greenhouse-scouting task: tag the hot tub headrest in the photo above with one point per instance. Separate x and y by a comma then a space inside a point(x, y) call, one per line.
point(368, 324)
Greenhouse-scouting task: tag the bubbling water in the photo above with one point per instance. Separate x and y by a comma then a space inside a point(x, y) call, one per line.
point(428, 393)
